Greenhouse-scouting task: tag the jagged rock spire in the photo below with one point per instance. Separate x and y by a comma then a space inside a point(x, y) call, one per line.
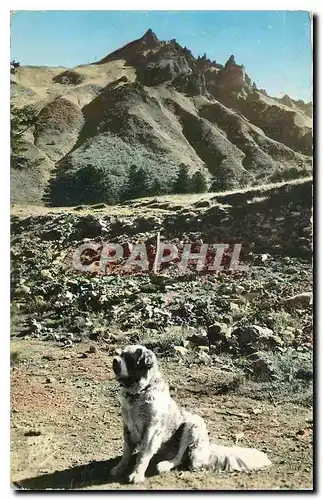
point(231, 60)
point(150, 35)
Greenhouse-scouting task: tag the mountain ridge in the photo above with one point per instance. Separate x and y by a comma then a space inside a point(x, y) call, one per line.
point(154, 105)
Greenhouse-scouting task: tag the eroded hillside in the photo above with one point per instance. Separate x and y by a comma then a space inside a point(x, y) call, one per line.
point(154, 105)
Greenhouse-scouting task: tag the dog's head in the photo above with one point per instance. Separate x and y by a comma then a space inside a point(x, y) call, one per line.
point(134, 368)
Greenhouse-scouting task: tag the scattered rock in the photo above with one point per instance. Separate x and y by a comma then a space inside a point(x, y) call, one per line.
point(35, 326)
point(198, 340)
point(300, 301)
point(225, 289)
point(203, 348)
point(95, 335)
point(202, 204)
point(45, 273)
point(180, 350)
point(263, 367)
point(234, 307)
point(218, 334)
point(99, 206)
point(288, 336)
point(25, 289)
point(256, 411)
point(238, 437)
point(49, 357)
point(203, 357)
point(304, 374)
point(32, 433)
point(69, 296)
point(254, 338)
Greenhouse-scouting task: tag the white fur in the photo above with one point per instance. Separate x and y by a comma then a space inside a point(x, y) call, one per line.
point(236, 458)
point(124, 370)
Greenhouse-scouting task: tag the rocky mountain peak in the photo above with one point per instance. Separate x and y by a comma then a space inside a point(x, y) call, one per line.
point(230, 61)
point(150, 36)
point(235, 134)
point(133, 50)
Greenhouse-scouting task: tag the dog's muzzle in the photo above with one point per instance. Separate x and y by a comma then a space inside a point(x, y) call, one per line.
point(116, 366)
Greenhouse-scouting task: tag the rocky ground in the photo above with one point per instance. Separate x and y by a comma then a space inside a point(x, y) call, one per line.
point(236, 346)
point(67, 434)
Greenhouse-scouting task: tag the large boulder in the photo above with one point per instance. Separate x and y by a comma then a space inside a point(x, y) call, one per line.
point(250, 339)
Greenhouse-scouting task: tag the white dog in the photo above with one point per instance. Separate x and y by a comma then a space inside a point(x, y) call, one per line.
point(151, 418)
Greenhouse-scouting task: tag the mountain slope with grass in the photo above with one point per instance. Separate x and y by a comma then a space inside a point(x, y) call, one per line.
point(154, 106)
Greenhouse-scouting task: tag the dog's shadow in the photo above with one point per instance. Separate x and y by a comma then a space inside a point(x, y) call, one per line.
point(92, 474)
point(97, 473)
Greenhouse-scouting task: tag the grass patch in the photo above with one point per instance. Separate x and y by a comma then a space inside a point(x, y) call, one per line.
point(15, 358)
point(163, 343)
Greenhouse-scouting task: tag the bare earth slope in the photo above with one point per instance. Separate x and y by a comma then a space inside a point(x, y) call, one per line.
point(153, 104)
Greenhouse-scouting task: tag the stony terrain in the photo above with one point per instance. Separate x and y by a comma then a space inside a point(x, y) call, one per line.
point(66, 427)
point(154, 105)
point(235, 346)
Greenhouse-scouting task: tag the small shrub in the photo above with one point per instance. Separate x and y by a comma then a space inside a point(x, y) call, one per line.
point(183, 183)
point(15, 358)
point(138, 184)
point(89, 185)
point(163, 344)
point(21, 120)
point(199, 183)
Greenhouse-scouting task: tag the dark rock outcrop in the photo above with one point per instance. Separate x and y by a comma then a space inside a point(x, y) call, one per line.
point(232, 79)
point(69, 77)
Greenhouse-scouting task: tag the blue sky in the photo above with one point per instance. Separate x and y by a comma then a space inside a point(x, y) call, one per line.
point(274, 46)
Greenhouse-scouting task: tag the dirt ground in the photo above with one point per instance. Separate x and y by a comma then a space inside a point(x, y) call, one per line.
point(66, 427)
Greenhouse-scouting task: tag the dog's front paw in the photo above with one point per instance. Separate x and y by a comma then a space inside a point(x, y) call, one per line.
point(164, 466)
point(136, 478)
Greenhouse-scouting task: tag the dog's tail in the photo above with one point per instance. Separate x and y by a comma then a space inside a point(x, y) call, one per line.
point(204, 454)
point(236, 458)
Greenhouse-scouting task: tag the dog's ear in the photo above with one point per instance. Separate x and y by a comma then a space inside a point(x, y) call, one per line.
point(146, 359)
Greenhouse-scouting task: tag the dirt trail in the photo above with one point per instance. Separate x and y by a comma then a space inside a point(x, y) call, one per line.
point(66, 426)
